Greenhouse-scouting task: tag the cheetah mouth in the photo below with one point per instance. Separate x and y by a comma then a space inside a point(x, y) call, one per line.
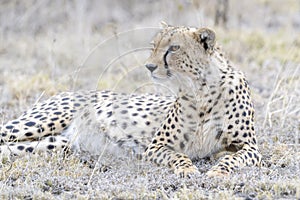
point(160, 77)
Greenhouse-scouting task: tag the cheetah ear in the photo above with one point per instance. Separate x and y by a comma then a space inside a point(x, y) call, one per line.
point(207, 38)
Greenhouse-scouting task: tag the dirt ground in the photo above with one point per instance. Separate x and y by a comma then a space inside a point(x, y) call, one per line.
point(51, 46)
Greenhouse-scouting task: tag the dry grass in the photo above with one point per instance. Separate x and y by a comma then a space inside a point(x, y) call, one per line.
point(49, 46)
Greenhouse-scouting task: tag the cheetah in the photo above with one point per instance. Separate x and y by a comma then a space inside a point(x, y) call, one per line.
point(211, 112)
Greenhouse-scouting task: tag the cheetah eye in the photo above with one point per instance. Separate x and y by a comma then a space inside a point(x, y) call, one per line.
point(173, 48)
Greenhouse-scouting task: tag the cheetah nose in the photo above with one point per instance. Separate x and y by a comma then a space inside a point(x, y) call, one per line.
point(151, 67)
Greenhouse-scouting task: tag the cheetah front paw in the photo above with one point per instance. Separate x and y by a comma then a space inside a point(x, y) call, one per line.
point(217, 173)
point(186, 171)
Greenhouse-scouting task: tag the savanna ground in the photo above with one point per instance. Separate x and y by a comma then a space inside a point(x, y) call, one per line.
point(51, 46)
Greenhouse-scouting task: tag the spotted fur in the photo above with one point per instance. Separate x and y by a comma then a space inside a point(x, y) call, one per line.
point(211, 112)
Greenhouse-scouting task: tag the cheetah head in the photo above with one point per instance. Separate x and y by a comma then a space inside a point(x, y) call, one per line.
point(181, 52)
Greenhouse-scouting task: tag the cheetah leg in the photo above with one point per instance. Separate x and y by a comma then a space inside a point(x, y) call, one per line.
point(165, 155)
point(247, 156)
point(25, 128)
point(21, 148)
